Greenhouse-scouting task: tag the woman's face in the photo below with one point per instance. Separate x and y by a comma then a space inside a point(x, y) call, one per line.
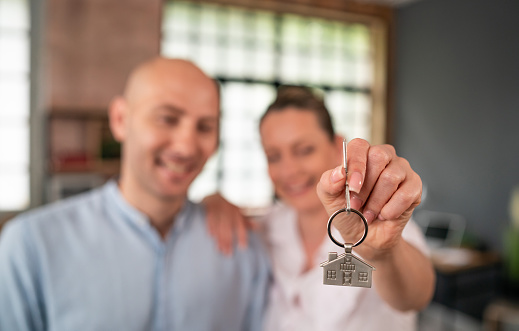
point(298, 151)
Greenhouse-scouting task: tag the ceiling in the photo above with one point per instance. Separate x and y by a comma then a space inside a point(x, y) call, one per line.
point(391, 3)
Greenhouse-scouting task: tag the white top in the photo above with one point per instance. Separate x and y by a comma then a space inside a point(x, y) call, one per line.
point(299, 301)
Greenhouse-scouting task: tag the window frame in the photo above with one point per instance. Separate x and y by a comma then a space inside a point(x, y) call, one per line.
point(37, 117)
point(379, 19)
point(375, 20)
point(5, 213)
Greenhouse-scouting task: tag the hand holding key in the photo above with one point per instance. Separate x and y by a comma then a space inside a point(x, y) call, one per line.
point(386, 190)
point(382, 186)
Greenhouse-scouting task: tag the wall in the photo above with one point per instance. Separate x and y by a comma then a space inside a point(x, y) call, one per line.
point(92, 45)
point(456, 106)
point(88, 48)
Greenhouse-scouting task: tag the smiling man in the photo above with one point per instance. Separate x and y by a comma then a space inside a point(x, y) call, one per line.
point(135, 254)
point(168, 122)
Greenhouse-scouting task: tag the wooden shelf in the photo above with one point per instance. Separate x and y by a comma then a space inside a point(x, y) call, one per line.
point(81, 142)
point(85, 114)
point(102, 167)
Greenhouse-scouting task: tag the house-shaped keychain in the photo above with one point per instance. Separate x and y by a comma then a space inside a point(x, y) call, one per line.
point(346, 270)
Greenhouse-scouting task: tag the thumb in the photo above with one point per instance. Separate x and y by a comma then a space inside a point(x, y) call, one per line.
point(330, 189)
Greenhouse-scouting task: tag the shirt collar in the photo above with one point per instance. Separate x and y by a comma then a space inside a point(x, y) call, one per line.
point(121, 208)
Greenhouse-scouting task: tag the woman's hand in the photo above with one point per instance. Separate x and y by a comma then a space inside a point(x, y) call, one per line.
point(226, 223)
point(382, 186)
point(386, 190)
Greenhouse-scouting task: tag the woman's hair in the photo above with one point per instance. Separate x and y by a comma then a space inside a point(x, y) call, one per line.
point(304, 99)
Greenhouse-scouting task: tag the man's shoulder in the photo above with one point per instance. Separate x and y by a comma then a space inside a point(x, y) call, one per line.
point(197, 213)
point(66, 210)
point(255, 249)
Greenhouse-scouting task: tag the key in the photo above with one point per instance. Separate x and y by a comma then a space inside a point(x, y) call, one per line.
point(347, 269)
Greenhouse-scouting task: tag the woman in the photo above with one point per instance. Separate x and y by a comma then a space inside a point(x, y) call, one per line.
point(300, 145)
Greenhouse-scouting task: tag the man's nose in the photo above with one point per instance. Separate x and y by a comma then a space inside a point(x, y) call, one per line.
point(185, 140)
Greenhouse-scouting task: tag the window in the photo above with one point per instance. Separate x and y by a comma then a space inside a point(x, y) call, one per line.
point(332, 274)
point(363, 276)
point(14, 110)
point(251, 52)
point(347, 266)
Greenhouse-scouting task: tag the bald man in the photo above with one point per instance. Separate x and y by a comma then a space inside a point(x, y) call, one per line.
point(135, 254)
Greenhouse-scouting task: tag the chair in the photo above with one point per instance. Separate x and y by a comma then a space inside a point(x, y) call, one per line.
point(441, 229)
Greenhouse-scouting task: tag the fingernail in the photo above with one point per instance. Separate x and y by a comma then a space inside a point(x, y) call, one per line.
point(370, 216)
point(337, 174)
point(355, 182)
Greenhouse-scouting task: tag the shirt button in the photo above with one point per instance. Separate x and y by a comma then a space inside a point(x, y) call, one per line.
point(297, 300)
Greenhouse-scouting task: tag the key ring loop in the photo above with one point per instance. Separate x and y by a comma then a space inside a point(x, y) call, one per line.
point(342, 211)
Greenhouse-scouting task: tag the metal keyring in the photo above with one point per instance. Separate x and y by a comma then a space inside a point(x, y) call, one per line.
point(346, 210)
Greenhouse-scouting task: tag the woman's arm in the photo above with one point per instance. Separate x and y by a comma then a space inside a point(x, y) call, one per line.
point(386, 190)
point(226, 223)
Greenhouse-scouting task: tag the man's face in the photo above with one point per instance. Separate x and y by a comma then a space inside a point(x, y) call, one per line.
point(171, 130)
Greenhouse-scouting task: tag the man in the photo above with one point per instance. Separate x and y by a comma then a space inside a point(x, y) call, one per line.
point(135, 254)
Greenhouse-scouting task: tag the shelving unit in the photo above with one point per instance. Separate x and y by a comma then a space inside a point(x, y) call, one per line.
point(82, 154)
point(81, 142)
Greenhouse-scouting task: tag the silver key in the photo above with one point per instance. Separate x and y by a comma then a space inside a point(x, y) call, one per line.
point(347, 269)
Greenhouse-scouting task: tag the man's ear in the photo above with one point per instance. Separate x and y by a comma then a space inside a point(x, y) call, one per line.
point(117, 115)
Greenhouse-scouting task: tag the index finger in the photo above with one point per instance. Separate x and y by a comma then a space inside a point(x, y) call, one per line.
point(357, 162)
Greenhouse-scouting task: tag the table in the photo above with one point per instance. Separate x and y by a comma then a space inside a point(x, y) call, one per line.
point(466, 280)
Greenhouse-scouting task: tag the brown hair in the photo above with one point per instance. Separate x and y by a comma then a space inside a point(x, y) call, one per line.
point(304, 99)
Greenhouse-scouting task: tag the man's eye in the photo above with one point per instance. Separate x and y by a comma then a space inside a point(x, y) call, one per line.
point(273, 158)
point(206, 128)
point(307, 150)
point(168, 120)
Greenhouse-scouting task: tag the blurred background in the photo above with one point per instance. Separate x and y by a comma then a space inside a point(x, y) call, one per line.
point(437, 78)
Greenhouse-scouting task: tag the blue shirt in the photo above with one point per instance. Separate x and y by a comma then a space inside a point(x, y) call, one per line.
point(93, 262)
